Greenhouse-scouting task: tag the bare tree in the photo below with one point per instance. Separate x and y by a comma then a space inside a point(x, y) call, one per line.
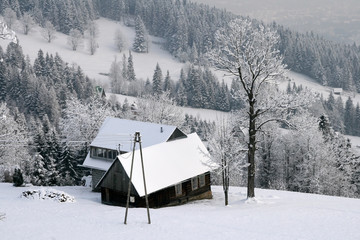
point(248, 53)
point(119, 40)
point(75, 39)
point(118, 83)
point(159, 109)
point(49, 31)
point(10, 17)
point(81, 121)
point(2, 216)
point(92, 34)
point(27, 22)
point(227, 151)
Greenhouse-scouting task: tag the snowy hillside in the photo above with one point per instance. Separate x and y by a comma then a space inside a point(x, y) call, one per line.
point(276, 215)
point(95, 66)
point(144, 63)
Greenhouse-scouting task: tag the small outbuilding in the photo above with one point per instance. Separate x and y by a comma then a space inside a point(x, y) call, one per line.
point(176, 172)
point(337, 91)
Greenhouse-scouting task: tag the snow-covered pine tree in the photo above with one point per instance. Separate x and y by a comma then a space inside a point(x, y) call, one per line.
point(130, 69)
point(357, 120)
point(68, 167)
point(141, 42)
point(157, 81)
point(349, 114)
point(168, 83)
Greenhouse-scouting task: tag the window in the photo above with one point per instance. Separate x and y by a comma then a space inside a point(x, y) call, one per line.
point(194, 183)
point(178, 189)
point(103, 153)
point(202, 180)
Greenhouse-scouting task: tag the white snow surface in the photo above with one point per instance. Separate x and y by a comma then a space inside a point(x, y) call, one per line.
point(99, 164)
point(167, 163)
point(277, 215)
point(115, 131)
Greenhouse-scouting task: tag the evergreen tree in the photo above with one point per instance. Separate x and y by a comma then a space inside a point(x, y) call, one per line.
point(141, 42)
point(357, 120)
point(349, 116)
point(67, 167)
point(130, 69)
point(168, 83)
point(181, 97)
point(157, 81)
point(18, 179)
point(124, 68)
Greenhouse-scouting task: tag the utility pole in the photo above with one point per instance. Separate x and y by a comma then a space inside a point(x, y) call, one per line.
point(137, 139)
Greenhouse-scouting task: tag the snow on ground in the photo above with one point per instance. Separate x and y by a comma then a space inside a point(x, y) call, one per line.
point(203, 114)
point(93, 66)
point(274, 215)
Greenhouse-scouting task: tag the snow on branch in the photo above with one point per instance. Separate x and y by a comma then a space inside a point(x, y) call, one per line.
point(6, 33)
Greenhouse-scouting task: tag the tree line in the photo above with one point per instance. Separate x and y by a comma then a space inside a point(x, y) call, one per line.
point(196, 87)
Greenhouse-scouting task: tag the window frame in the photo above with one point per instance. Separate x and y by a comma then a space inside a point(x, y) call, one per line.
point(178, 189)
point(193, 185)
point(103, 153)
point(202, 180)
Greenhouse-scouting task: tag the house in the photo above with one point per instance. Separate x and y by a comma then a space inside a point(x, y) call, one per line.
point(176, 172)
point(337, 91)
point(115, 137)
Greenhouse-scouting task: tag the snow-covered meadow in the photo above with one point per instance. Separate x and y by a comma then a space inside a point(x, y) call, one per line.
point(275, 215)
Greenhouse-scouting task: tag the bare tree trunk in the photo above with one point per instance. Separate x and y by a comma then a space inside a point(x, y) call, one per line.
point(252, 148)
point(225, 178)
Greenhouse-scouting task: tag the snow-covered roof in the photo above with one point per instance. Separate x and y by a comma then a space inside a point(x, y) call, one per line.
point(115, 131)
point(99, 164)
point(167, 164)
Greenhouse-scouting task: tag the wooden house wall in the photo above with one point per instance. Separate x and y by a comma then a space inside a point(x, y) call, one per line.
point(114, 195)
point(118, 180)
point(96, 176)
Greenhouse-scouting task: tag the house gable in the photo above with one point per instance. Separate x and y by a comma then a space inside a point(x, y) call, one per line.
point(168, 164)
point(117, 179)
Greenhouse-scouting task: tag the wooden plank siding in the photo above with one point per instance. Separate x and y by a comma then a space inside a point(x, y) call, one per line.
point(115, 195)
point(96, 176)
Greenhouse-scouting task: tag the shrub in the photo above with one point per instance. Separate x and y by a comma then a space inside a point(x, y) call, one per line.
point(18, 179)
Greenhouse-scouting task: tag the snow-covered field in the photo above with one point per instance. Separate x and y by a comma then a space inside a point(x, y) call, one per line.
point(275, 215)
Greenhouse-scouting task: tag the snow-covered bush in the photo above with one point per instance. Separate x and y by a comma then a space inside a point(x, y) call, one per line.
point(48, 193)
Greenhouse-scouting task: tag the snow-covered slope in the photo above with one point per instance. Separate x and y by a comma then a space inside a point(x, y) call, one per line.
point(275, 215)
point(93, 66)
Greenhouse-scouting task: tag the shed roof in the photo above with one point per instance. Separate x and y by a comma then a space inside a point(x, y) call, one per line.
point(167, 163)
